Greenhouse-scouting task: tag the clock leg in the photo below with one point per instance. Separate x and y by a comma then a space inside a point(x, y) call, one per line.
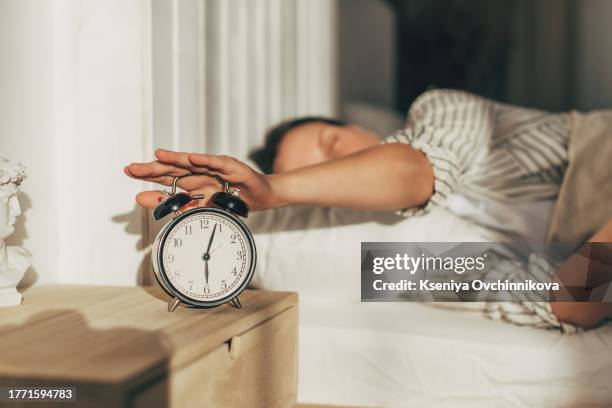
point(236, 303)
point(173, 304)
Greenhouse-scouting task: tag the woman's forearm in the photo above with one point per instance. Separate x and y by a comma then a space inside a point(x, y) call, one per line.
point(584, 314)
point(384, 177)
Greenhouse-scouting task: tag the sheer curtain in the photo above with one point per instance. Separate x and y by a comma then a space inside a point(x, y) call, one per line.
point(225, 70)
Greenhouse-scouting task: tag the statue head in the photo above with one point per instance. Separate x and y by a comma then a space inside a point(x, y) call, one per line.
point(11, 176)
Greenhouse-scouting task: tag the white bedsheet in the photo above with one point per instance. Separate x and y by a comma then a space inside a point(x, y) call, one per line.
point(410, 354)
point(317, 251)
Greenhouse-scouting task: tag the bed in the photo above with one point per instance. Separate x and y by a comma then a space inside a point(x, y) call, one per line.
point(413, 354)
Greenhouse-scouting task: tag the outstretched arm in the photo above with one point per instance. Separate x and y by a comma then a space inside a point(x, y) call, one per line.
point(383, 177)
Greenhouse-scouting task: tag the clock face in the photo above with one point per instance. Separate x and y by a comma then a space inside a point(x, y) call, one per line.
point(207, 256)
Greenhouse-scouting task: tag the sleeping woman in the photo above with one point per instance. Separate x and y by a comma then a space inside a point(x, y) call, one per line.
point(493, 163)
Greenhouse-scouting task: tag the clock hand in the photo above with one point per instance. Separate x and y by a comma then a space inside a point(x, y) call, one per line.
point(218, 246)
point(210, 241)
point(206, 256)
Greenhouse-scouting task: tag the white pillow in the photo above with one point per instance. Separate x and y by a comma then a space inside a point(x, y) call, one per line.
point(316, 251)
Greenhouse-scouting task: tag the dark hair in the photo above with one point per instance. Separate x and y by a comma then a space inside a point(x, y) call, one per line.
point(264, 156)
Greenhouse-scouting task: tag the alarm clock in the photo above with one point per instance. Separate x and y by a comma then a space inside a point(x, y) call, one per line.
point(205, 256)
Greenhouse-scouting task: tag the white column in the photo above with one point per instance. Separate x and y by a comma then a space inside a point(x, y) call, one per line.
point(78, 110)
point(103, 122)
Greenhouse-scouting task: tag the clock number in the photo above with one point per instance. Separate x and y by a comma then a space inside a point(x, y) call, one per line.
point(170, 258)
point(219, 227)
point(178, 242)
point(188, 230)
point(177, 274)
point(234, 239)
point(239, 255)
point(206, 289)
point(234, 272)
point(223, 285)
point(190, 285)
point(204, 224)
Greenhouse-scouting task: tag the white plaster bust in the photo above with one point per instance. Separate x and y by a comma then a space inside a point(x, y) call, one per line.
point(14, 261)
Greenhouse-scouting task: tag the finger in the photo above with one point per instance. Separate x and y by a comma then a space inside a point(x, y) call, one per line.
point(154, 169)
point(230, 169)
point(164, 180)
point(189, 183)
point(149, 199)
point(197, 182)
point(209, 161)
point(227, 167)
point(181, 160)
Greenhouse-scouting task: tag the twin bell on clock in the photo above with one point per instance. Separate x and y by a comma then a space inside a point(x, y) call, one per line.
point(205, 256)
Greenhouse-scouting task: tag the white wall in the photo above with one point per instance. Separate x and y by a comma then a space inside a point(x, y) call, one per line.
point(27, 123)
point(75, 108)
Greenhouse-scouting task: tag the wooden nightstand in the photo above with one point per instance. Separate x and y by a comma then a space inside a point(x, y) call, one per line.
point(121, 348)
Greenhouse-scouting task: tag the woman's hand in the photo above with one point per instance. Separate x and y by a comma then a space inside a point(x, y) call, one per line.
point(255, 188)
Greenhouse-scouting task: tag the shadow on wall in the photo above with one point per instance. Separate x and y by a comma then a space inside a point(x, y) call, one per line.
point(133, 225)
point(20, 235)
point(133, 221)
point(48, 350)
point(138, 222)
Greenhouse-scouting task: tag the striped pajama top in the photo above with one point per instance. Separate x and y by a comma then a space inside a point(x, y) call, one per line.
point(485, 149)
point(496, 152)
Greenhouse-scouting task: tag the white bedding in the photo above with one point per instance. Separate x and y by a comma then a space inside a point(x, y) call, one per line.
point(317, 251)
point(409, 354)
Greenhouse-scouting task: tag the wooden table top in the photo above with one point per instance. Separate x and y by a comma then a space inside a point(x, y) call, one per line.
point(114, 334)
